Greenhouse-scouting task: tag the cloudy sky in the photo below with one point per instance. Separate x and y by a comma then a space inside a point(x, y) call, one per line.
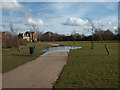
point(59, 17)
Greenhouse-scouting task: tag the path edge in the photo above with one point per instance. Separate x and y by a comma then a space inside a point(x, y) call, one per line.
point(53, 86)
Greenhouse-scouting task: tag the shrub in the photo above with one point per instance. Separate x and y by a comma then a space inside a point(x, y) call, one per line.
point(12, 41)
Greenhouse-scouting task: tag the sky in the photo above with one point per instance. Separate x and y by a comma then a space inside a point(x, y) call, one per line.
point(59, 17)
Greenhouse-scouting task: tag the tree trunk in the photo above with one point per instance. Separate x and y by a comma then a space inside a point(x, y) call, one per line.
point(92, 43)
point(18, 45)
point(105, 45)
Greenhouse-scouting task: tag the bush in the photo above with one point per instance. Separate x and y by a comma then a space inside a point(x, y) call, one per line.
point(22, 42)
point(11, 41)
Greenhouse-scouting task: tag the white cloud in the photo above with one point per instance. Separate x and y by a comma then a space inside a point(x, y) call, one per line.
point(60, 6)
point(96, 22)
point(12, 5)
point(115, 28)
point(100, 23)
point(106, 23)
point(109, 20)
point(109, 23)
point(112, 19)
point(69, 0)
point(112, 6)
point(75, 22)
point(15, 20)
point(38, 22)
point(73, 32)
point(30, 10)
point(67, 33)
point(47, 16)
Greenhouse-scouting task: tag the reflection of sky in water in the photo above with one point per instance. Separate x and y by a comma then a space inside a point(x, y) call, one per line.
point(59, 49)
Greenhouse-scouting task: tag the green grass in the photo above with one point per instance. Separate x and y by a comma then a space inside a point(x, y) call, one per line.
point(11, 58)
point(90, 68)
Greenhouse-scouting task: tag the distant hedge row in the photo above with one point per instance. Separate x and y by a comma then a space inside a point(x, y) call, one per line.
point(12, 41)
point(97, 35)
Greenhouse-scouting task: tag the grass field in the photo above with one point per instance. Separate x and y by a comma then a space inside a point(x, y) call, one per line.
point(11, 58)
point(90, 68)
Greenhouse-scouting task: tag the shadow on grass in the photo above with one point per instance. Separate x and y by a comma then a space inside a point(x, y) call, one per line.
point(21, 55)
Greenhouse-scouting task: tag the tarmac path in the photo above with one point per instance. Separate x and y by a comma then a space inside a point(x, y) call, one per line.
point(39, 73)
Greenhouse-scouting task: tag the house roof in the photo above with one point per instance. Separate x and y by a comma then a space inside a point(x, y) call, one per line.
point(29, 32)
point(25, 34)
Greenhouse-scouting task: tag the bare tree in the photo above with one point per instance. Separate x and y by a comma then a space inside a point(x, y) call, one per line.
point(14, 33)
point(74, 35)
point(13, 30)
point(39, 35)
point(93, 30)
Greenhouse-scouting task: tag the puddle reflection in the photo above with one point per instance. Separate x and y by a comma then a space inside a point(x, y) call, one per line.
point(59, 49)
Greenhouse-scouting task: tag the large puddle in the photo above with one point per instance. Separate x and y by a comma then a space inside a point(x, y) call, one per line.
point(58, 49)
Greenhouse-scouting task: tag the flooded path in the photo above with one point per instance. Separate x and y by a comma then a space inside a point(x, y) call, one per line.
point(58, 49)
point(39, 73)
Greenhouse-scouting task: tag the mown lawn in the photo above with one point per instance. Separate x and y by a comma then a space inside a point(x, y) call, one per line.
point(90, 68)
point(11, 58)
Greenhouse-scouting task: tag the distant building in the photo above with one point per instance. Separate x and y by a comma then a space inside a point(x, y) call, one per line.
point(48, 33)
point(29, 36)
point(6, 34)
point(3, 33)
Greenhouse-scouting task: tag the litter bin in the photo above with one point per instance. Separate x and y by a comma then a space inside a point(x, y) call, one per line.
point(32, 50)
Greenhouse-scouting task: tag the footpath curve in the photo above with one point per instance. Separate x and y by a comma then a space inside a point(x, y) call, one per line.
point(39, 73)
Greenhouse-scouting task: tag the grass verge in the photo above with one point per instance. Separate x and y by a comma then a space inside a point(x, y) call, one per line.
point(90, 68)
point(11, 58)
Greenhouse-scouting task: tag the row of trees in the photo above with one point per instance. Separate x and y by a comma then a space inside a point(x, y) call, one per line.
point(10, 38)
point(105, 35)
point(12, 41)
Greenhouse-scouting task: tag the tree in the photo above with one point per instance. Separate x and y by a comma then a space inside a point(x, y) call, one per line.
point(74, 35)
point(93, 28)
point(13, 30)
point(14, 34)
point(99, 28)
point(39, 35)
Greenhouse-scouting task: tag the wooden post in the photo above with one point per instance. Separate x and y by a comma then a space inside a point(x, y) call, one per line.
point(92, 39)
point(92, 44)
point(18, 44)
point(74, 39)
